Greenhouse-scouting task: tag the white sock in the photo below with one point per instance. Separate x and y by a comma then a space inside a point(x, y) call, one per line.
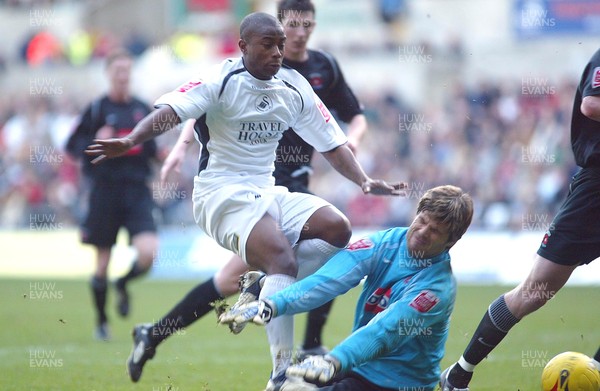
point(280, 330)
point(311, 254)
point(465, 365)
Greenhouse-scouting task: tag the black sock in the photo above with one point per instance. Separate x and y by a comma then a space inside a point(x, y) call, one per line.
point(458, 377)
point(99, 295)
point(494, 326)
point(597, 355)
point(135, 271)
point(314, 325)
point(191, 308)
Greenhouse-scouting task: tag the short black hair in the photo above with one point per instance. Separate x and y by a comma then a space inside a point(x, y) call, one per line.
point(285, 6)
point(251, 22)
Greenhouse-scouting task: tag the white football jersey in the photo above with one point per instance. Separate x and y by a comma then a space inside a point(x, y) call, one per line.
point(245, 118)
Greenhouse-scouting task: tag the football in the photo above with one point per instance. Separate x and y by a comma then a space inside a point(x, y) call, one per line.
point(570, 371)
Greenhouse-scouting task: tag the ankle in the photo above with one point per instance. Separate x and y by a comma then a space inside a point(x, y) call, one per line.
point(459, 377)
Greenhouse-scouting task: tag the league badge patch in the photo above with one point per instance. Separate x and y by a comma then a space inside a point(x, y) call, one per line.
point(424, 301)
point(361, 244)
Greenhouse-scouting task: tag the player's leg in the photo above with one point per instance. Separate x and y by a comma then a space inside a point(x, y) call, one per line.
point(326, 232)
point(146, 246)
point(99, 290)
point(199, 301)
point(573, 233)
point(544, 280)
point(313, 335)
point(268, 249)
point(319, 229)
point(100, 230)
point(139, 222)
point(196, 304)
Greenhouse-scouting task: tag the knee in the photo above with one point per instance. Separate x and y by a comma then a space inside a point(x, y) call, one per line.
point(147, 250)
point(338, 231)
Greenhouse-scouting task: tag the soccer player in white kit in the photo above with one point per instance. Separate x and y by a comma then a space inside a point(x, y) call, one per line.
point(247, 104)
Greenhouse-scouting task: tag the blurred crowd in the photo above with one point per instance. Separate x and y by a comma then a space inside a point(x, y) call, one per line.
point(507, 144)
point(504, 141)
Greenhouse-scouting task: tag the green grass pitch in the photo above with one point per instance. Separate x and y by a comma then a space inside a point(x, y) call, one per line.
point(46, 340)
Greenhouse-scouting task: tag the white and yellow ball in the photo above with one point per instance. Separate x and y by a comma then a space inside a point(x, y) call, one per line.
point(570, 371)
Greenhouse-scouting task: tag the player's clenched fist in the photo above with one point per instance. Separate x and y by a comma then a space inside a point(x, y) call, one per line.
point(315, 369)
point(258, 312)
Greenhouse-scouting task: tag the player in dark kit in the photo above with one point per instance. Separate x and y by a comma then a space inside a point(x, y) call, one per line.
point(118, 193)
point(292, 170)
point(572, 240)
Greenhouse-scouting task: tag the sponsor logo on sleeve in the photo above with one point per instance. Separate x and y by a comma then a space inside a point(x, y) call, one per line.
point(361, 244)
point(189, 85)
point(324, 111)
point(596, 78)
point(424, 301)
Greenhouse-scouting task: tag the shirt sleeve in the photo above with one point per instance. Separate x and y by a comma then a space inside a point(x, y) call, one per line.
point(409, 318)
point(342, 99)
point(190, 100)
point(315, 124)
point(591, 78)
point(341, 273)
point(82, 135)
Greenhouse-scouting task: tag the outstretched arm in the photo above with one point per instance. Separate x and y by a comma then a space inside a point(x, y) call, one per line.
point(153, 125)
point(344, 161)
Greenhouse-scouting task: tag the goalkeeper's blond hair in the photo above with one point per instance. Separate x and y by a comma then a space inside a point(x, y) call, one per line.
point(449, 205)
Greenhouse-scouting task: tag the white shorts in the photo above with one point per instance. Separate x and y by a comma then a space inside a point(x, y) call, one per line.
point(228, 215)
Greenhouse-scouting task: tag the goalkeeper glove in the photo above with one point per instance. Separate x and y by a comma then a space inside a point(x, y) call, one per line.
point(316, 369)
point(259, 312)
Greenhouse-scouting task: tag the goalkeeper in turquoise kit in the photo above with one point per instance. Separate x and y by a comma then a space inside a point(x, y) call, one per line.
point(403, 313)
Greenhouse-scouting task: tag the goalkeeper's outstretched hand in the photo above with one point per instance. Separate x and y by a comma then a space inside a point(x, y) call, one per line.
point(315, 369)
point(258, 312)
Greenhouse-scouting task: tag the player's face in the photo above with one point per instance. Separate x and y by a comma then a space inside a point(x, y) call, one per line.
point(427, 237)
point(298, 26)
point(119, 72)
point(263, 51)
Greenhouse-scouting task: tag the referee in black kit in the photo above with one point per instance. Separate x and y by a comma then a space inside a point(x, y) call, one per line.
point(118, 193)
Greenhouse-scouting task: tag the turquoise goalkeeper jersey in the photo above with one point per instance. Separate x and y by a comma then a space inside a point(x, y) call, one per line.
point(402, 315)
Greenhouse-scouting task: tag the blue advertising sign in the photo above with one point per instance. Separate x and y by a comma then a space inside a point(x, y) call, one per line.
point(543, 18)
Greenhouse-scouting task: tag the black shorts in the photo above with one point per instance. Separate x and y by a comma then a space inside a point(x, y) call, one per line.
point(351, 381)
point(573, 238)
point(112, 206)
